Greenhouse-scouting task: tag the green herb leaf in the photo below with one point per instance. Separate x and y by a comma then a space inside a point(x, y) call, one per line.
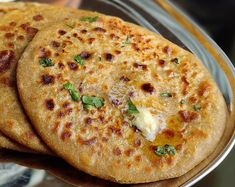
point(131, 108)
point(170, 149)
point(90, 19)
point(88, 107)
point(175, 60)
point(197, 107)
point(93, 101)
point(75, 95)
point(160, 151)
point(126, 42)
point(69, 86)
point(166, 94)
point(79, 60)
point(182, 101)
point(166, 149)
point(73, 92)
point(46, 62)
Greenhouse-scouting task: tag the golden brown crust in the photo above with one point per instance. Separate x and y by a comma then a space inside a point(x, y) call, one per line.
point(16, 30)
point(7, 143)
point(101, 142)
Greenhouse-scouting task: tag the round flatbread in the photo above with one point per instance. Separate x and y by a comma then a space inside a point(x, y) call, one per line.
point(7, 143)
point(5, 8)
point(118, 101)
point(16, 31)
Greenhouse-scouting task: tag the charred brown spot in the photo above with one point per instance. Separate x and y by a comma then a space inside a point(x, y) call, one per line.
point(104, 139)
point(55, 44)
point(138, 158)
point(11, 45)
point(117, 151)
point(48, 79)
point(44, 53)
point(66, 105)
point(83, 31)
point(169, 160)
point(99, 29)
point(204, 89)
point(88, 120)
point(91, 40)
point(169, 133)
point(68, 125)
point(108, 56)
point(116, 102)
point(85, 55)
point(50, 104)
point(101, 118)
point(124, 79)
point(66, 135)
point(137, 142)
point(188, 116)
point(168, 50)
point(9, 35)
point(135, 47)
point(56, 127)
point(64, 113)
point(61, 32)
point(21, 37)
point(90, 141)
point(129, 152)
point(185, 81)
point(31, 31)
point(13, 24)
point(6, 59)
point(7, 81)
point(38, 17)
point(61, 65)
point(73, 66)
point(147, 87)
point(193, 100)
point(75, 35)
point(142, 66)
point(117, 52)
point(116, 131)
point(162, 62)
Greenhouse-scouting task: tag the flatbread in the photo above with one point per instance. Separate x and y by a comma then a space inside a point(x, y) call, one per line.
point(16, 31)
point(9, 7)
point(128, 78)
point(5, 9)
point(7, 143)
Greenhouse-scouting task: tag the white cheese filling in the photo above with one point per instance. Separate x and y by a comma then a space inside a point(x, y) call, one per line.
point(150, 125)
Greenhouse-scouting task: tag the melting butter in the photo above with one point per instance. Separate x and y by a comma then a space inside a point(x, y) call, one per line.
point(150, 125)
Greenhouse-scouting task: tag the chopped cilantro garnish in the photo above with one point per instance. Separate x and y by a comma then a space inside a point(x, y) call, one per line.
point(126, 42)
point(46, 62)
point(164, 150)
point(72, 90)
point(197, 107)
point(90, 19)
point(88, 107)
point(166, 94)
point(131, 108)
point(79, 60)
point(182, 101)
point(92, 101)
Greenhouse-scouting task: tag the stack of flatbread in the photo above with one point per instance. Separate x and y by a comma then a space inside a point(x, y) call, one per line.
point(112, 99)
